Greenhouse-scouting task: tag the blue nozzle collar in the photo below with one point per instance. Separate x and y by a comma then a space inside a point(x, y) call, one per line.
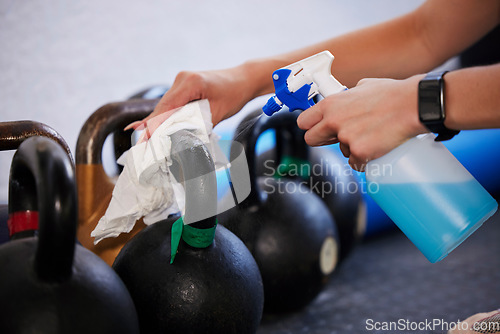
point(271, 107)
point(293, 100)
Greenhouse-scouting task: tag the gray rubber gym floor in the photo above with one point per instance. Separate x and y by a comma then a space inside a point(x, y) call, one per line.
point(386, 279)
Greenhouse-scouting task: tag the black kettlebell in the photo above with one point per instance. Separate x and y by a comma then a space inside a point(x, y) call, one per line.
point(328, 176)
point(4, 217)
point(212, 287)
point(340, 191)
point(49, 284)
point(12, 134)
point(286, 227)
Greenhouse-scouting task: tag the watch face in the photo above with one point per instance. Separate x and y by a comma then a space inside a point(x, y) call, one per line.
point(430, 100)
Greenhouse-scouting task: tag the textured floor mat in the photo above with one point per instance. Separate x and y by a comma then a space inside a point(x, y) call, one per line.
point(386, 279)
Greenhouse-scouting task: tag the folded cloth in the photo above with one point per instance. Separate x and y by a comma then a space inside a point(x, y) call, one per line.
point(146, 187)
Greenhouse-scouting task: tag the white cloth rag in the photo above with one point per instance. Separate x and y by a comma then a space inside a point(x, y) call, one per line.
point(146, 188)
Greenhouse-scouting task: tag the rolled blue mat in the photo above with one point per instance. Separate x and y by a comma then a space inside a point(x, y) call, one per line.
point(479, 152)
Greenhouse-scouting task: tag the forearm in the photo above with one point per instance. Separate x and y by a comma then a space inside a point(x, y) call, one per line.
point(413, 43)
point(382, 50)
point(404, 46)
point(472, 99)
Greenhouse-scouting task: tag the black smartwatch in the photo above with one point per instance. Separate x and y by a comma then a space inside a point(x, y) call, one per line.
point(431, 109)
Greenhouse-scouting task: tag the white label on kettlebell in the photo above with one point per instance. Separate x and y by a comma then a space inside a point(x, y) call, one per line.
point(328, 256)
point(361, 220)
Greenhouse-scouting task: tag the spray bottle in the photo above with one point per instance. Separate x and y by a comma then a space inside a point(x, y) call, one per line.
point(420, 185)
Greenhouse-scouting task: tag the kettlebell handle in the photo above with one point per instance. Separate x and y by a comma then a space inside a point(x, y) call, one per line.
point(194, 166)
point(42, 169)
point(290, 138)
point(12, 134)
point(95, 186)
point(122, 139)
point(104, 121)
point(249, 131)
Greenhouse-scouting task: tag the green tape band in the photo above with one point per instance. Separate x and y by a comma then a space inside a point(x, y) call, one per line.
point(293, 166)
point(176, 233)
point(195, 237)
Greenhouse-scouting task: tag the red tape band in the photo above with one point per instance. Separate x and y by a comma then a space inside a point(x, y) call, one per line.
point(22, 221)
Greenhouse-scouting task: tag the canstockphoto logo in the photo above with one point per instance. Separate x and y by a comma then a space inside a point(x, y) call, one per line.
point(433, 325)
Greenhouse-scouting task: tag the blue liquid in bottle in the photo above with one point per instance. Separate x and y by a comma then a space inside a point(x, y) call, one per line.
point(436, 217)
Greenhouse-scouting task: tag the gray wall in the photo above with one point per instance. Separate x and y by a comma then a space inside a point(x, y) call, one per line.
point(60, 60)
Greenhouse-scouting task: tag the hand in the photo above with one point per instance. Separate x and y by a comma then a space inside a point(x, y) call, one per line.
point(227, 91)
point(368, 120)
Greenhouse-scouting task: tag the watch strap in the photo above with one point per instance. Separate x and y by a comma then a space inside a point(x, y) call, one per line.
point(431, 106)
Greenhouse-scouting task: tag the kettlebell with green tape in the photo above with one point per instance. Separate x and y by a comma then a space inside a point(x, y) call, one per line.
point(322, 171)
point(287, 228)
point(186, 274)
point(48, 283)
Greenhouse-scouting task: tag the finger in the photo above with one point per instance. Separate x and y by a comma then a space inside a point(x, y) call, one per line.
point(344, 148)
point(135, 125)
point(141, 124)
point(157, 120)
point(145, 135)
point(357, 164)
point(322, 142)
point(365, 81)
point(310, 117)
point(150, 124)
point(320, 134)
